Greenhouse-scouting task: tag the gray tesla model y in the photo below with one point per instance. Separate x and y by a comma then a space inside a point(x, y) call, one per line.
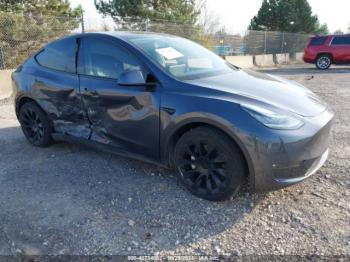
point(170, 101)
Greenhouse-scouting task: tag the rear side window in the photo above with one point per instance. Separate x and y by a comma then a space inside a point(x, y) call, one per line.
point(59, 55)
point(318, 40)
point(341, 40)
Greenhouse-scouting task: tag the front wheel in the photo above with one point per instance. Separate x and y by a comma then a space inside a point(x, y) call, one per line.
point(35, 125)
point(210, 165)
point(323, 62)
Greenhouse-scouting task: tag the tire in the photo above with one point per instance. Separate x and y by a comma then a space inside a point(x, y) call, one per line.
point(323, 62)
point(35, 125)
point(210, 165)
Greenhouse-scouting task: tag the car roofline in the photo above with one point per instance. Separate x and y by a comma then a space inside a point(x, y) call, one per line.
point(122, 35)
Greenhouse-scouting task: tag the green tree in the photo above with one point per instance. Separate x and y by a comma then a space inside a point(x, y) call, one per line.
point(293, 16)
point(179, 11)
point(26, 25)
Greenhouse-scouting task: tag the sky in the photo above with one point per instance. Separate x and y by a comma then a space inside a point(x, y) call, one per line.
point(235, 15)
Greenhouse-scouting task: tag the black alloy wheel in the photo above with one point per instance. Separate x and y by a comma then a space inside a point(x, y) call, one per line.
point(209, 163)
point(35, 125)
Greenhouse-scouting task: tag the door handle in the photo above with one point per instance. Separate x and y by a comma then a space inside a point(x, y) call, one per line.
point(169, 110)
point(93, 92)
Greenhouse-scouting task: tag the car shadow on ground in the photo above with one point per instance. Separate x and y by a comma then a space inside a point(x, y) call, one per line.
point(69, 199)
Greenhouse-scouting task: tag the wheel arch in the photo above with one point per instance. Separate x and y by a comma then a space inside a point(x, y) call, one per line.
point(187, 125)
point(325, 53)
point(20, 101)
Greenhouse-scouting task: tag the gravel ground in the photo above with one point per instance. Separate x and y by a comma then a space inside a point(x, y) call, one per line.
point(68, 199)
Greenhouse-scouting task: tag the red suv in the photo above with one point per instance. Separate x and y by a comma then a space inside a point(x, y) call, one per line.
point(327, 50)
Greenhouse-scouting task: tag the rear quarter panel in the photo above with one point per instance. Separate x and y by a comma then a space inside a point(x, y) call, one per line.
point(22, 81)
point(311, 52)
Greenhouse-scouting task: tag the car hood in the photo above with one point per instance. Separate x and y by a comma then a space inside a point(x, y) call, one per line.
point(272, 90)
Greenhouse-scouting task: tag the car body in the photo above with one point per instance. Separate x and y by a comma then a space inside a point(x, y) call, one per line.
point(327, 50)
point(278, 129)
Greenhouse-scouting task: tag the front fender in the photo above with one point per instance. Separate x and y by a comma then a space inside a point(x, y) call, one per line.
point(194, 119)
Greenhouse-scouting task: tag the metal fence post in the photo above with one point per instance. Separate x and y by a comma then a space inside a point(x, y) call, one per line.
point(2, 59)
point(146, 25)
point(82, 22)
point(265, 42)
point(298, 44)
point(282, 45)
point(245, 46)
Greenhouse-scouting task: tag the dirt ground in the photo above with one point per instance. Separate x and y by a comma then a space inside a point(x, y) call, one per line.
point(68, 199)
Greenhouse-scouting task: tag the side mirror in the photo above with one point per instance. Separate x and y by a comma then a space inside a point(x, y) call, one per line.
point(132, 77)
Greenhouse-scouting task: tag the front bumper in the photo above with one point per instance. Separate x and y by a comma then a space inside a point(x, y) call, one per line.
point(288, 157)
point(306, 171)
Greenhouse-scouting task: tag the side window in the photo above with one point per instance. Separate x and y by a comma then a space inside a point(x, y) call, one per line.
point(104, 59)
point(59, 55)
point(341, 40)
point(318, 41)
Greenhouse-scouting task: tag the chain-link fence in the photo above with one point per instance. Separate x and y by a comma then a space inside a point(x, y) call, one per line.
point(193, 32)
point(264, 42)
point(251, 42)
point(21, 35)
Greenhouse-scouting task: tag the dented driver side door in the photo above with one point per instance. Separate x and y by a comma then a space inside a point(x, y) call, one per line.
point(123, 117)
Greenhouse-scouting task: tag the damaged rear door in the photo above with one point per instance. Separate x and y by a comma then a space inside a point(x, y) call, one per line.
point(123, 117)
point(56, 87)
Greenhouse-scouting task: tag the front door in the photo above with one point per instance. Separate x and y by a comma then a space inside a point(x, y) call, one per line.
point(124, 117)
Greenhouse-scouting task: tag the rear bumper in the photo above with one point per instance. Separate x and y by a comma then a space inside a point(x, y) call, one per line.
point(294, 156)
point(309, 58)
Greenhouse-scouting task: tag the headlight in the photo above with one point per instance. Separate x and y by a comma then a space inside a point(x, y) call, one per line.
point(273, 119)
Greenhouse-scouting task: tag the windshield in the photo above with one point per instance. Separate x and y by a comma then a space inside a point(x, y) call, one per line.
point(182, 58)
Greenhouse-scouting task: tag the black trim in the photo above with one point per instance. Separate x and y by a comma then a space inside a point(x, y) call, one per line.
point(104, 147)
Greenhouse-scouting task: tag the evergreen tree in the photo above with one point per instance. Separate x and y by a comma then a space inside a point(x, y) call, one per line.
point(293, 16)
point(179, 11)
point(40, 7)
point(26, 25)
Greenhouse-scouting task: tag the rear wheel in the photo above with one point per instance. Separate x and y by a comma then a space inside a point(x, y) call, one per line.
point(323, 62)
point(210, 165)
point(35, 125)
